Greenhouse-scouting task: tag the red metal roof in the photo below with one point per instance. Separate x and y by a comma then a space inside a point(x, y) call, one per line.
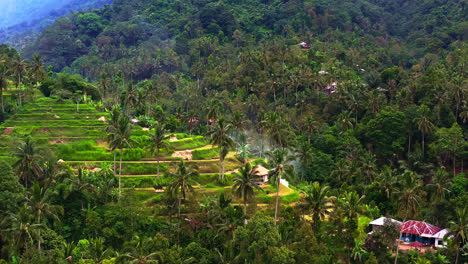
point(418, 228)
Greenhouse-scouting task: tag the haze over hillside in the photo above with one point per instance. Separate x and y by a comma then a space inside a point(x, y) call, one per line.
point(32, 16)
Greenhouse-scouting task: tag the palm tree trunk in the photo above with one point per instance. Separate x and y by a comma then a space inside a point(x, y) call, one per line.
point(409, 144)
point(1, 96)
point(39, 234)
point(223, 167)
point(398, 244)
point(245, 205)
point(35, 92)
point(19, 92)
point(115, 154)
point(157, 176)
point(220, 162)
point(120, 173)
point(458, 253)
point(178, 224)
point(423, 144)
point(277, 199)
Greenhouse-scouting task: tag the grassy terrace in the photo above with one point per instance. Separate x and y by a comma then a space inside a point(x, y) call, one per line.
point(78, 138)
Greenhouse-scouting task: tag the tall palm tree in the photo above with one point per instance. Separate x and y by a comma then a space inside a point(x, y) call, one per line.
point(278, 160)
point(238, 123)
point(368, 166)
point(119, 138)
point(39, 202)
point(440, 185)
point(181, 185)
point(317, 200)
point(351, 205)
point(27, 166)
point(37, 68)
point(342, 170)
point(310, 126)
point(245, 183)
point(459, 230)
point(304, 155)
point(112, 125)
point(387, 180)
point(278, 129)
point(20, 228)
point(425, 126)
point(4, 75)
point(410, 195)
point(80, 184)
point(19, 69)
point(409, 199)
point(158, 141)
point(219, 135)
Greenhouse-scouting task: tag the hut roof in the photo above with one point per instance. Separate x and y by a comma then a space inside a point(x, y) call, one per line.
point(380, 221)
point(261, 170)
point(419, 228)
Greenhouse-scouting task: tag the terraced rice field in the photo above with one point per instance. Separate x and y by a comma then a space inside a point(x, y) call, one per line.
point(78, 138)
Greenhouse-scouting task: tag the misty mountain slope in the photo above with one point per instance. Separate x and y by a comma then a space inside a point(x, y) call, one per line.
point(26, 18)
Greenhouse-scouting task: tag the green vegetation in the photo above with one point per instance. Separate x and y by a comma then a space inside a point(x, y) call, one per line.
point(183, 99)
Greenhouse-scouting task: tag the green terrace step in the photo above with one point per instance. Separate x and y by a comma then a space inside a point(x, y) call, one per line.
point(146, 168)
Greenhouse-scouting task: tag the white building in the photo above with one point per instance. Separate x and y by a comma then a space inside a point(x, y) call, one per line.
point(379, 222)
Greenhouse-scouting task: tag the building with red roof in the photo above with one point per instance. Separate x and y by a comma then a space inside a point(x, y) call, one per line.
point(418, 231)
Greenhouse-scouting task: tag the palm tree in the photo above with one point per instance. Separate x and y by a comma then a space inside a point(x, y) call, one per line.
point(245, 183)
point(344, 121)
point(317, 200)
point(368, 167)
point(459, 230)
point(119, 138)
point(20, 228)
point(304, 154)
point(112, 125)
point(409, 199)
point(278, 129)
point(39, 203)
point(440, 183)
point(219, 136)
point(181, 185)
point(27, 166)
point(278, 160)
point(423, 122)
point(80, 184)
point(387, 180)
point(310, 126)
point(243, 148)
point(158, 141)
point(213, 109)
point(351, 205)
point(341, 171)
point(19, 69)
point(410, 195)
point(139, 251)
point(4, 75)
point(37, 68)
point(238, 123)
point(97, 252)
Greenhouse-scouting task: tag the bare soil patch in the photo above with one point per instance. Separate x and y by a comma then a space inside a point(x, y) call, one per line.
point(8, 131)
point(184, 154)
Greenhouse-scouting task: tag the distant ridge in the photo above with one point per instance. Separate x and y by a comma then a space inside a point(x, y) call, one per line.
point(23, 19)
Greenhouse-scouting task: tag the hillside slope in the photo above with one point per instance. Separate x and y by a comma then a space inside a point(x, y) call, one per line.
point(23, 19)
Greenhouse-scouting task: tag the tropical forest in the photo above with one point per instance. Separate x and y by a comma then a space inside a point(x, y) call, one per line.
point(234, 131)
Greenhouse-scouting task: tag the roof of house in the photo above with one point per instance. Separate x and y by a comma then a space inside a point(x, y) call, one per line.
point(380, 221)
point(261, 170)
point(419, 228)
point(441, 233)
